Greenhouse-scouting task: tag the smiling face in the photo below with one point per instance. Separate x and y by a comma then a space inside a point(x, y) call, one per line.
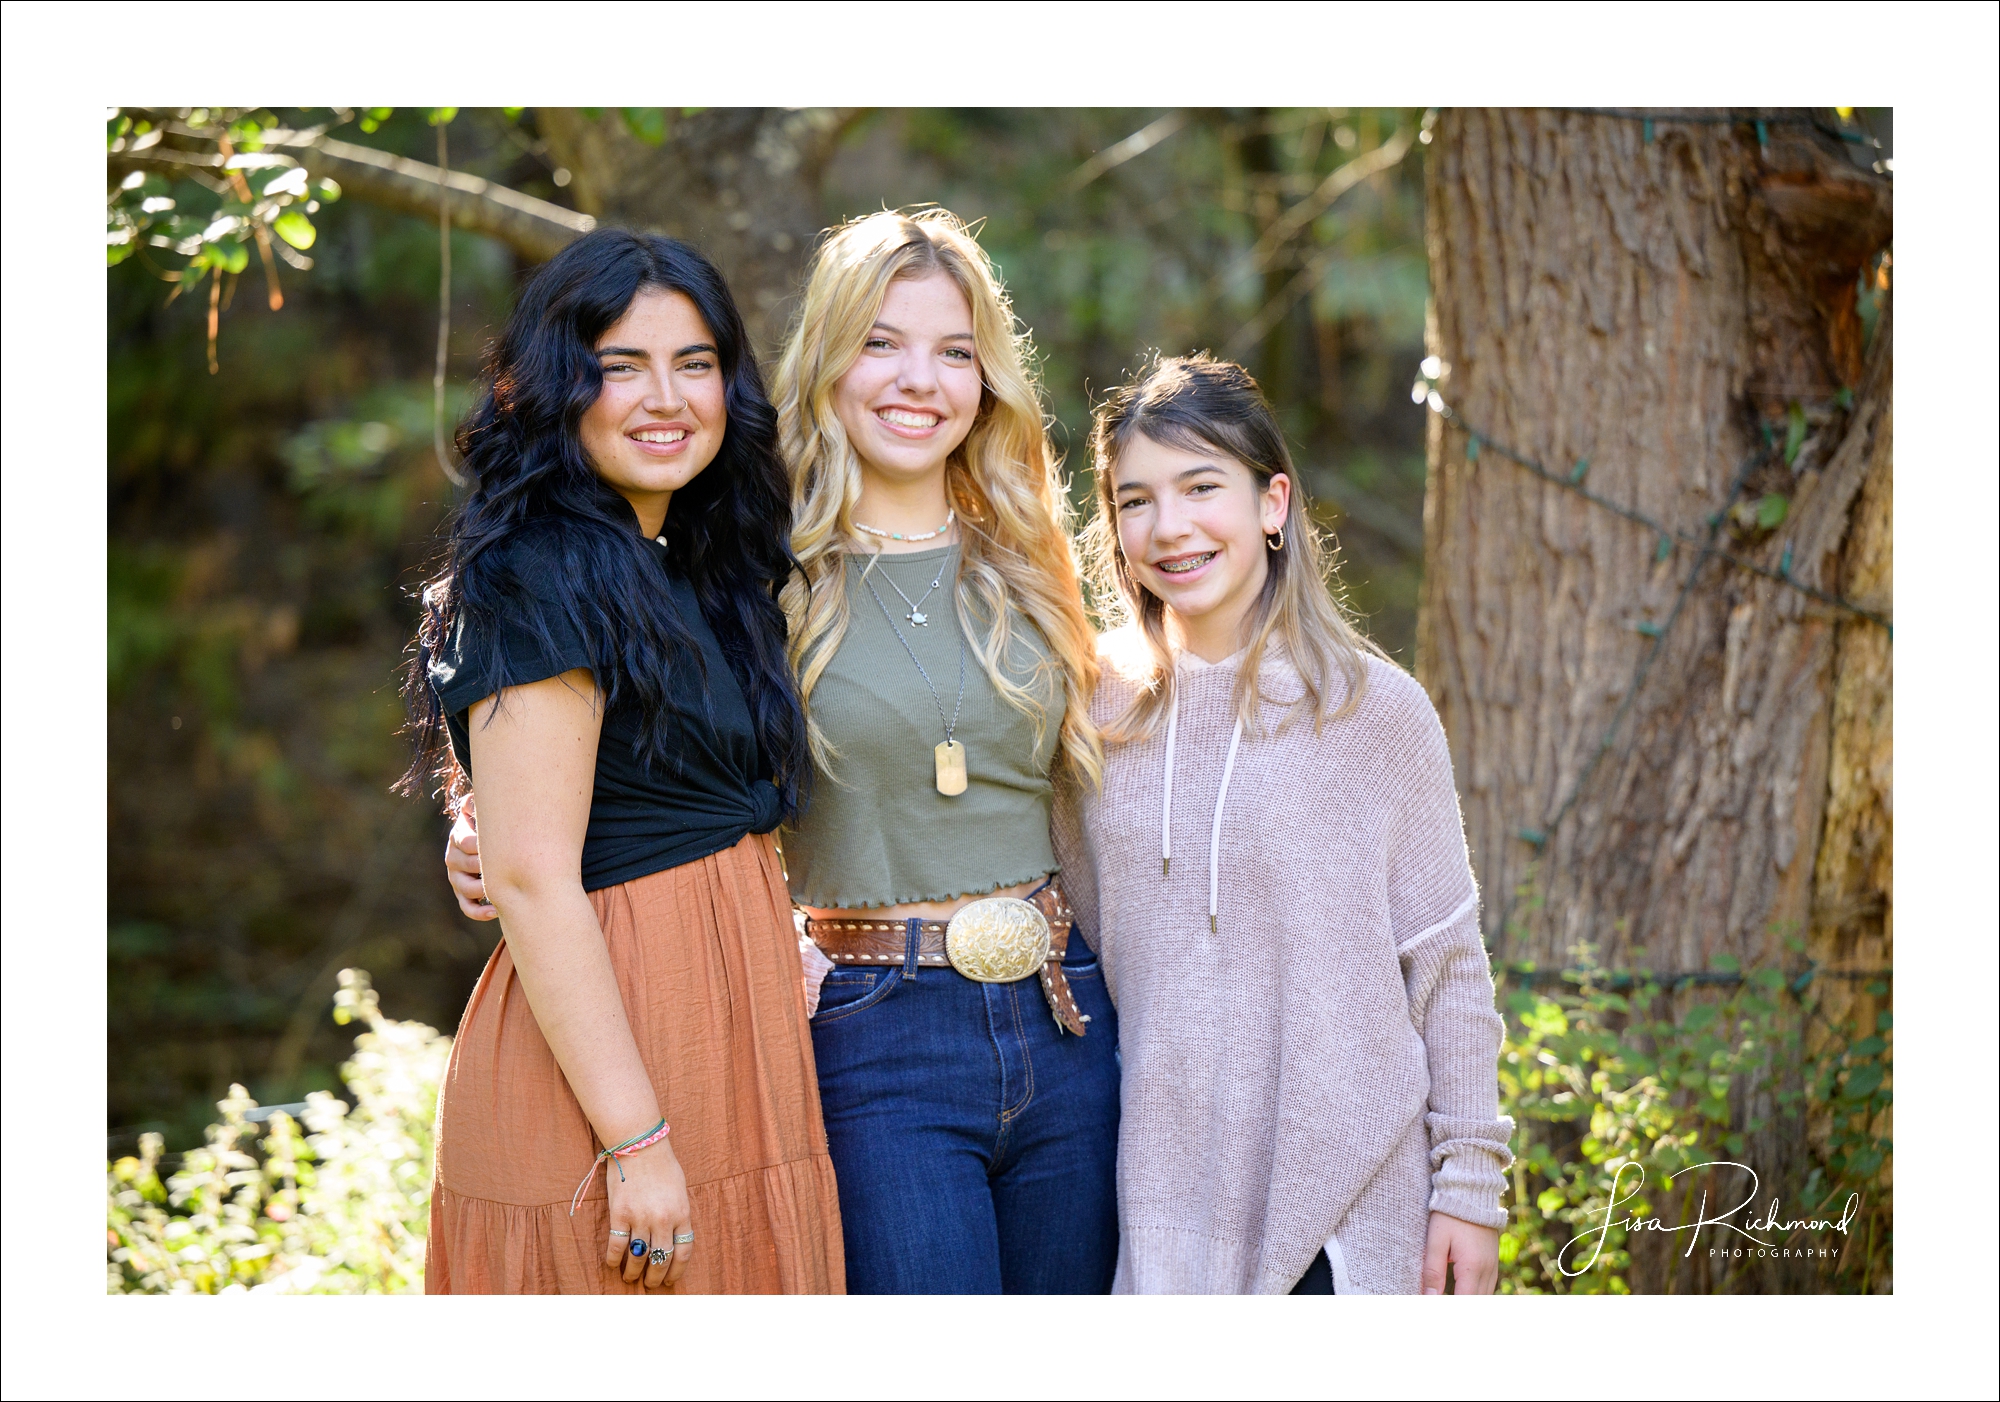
point(1192, 526)
point(660, 417)
point(911, 397)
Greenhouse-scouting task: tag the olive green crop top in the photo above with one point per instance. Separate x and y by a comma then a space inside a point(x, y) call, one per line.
point(877, 831)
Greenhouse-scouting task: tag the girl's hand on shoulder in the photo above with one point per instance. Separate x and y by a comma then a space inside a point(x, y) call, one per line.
point(1472, 1251)
point(461, 865)
point(651, 1204)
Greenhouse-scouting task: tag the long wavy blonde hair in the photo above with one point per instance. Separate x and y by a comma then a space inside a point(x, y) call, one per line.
point(1207, 405)
point(1013, 509)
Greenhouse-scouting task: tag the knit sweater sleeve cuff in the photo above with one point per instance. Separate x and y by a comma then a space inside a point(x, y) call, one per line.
point(1469, 1162)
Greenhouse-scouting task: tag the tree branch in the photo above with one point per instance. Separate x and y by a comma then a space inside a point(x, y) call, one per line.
point(535, 228)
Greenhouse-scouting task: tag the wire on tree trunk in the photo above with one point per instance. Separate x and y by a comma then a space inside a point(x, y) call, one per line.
point(1573, 482)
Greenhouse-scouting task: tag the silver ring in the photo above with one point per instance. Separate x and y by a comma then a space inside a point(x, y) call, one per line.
point(683, 1238)
point(616, 1232)
point(660, 1255)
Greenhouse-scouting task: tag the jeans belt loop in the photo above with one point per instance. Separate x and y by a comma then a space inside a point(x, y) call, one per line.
point(913, 943)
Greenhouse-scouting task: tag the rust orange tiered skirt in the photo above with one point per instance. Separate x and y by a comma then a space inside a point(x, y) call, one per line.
point(708, 961)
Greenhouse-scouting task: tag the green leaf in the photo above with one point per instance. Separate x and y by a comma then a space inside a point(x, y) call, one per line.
point(1550, 1200)
point(295, 229)
point(1726, 963)
point(1861, 1083)
point(326, 191)
point(1795, 431)
point(1772, 979)
point(226, 257)
point(1699, 1016)
point(1869, 1046)
point(1771, 511)
point(649, 124)
point(441, 116)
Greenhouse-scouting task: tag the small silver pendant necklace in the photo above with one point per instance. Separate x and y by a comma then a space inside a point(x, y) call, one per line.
point(916, 617)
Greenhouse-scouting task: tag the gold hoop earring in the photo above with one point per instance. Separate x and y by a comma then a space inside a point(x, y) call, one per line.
point(1279, 538)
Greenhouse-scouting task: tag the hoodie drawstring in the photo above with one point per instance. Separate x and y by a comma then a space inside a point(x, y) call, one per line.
point(1167, 799)
point(1215, 831)
point(1221, 796)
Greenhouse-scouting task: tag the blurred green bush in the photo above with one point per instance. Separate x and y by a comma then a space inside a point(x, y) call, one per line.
point(340, 1209)
point(1596, 1087)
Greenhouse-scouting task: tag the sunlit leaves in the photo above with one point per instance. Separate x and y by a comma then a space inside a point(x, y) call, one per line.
point(295, 229)
point(287, 182)
point(342, 1208)
point(195, 200)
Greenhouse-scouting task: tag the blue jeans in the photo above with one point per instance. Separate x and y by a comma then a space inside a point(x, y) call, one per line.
point(974, 1141)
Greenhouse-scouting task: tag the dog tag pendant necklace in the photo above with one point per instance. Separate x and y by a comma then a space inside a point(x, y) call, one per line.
point(949, 757)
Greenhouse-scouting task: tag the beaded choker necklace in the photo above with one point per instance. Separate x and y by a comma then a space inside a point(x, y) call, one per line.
point(949, 517)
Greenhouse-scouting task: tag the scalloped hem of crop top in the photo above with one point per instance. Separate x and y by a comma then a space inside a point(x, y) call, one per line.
point(816, 904)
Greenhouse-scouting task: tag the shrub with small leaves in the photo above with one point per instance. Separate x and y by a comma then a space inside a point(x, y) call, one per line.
point(340, 1208)
point(1613, 1075)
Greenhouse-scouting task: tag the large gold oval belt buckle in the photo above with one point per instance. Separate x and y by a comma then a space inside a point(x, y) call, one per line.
point(997, 940)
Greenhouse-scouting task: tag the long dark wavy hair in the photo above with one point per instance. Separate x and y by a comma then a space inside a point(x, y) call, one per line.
point(729, 529)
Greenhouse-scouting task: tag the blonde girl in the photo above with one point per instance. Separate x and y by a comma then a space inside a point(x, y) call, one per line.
point(1277, 876)
point(947, 664)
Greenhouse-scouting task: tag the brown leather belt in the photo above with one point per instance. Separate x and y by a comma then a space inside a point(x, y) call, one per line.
point(886, 942)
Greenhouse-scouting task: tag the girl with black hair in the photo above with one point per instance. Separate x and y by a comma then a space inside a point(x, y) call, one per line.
point(631, 1101)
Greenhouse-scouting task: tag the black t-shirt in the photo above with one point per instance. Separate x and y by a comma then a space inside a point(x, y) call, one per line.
point(699, 797)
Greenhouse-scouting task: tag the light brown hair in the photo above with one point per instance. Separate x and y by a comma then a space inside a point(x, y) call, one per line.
point(1206, 405)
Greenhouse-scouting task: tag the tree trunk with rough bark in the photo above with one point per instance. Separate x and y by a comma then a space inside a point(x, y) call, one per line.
point(740, 183)
point(1660, 753)
point(1663, 311)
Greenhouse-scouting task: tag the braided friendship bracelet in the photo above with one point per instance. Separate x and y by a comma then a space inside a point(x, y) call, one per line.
point(615, 1153)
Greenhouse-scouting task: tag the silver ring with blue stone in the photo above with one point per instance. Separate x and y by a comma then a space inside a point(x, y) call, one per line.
point(638, 1246)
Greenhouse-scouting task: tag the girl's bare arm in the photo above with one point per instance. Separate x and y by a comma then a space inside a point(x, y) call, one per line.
point(534, 749)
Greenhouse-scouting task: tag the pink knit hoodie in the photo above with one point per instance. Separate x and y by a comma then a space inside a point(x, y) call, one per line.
point(1305, 1010)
